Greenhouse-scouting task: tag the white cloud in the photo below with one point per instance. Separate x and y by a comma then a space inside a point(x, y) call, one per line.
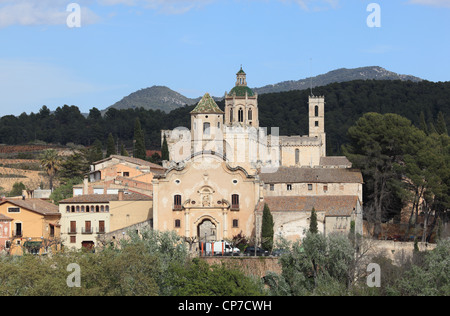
point(43, 12)
point(433, 3)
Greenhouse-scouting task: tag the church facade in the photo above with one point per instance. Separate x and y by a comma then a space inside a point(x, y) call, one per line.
point(225, 168)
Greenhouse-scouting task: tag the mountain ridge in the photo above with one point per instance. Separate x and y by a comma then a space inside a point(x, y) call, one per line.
point(165, 99)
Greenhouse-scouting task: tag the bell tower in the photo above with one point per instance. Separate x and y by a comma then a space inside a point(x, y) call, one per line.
point(241, 104)
point(317, 120)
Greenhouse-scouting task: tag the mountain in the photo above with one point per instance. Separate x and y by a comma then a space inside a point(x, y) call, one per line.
point(338, 75)
point(165, 99)
point(155, 98)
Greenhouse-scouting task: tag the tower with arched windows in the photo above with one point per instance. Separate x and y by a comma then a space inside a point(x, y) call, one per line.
point(241, 104)
point(317, 121)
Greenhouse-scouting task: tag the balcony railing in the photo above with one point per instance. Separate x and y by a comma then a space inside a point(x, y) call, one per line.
point(71, 231)
point(235, 207)
point(17, 233)
point(87, 230)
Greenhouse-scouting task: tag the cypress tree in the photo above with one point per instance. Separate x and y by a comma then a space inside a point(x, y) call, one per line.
point(267, 229)
point(110, 146)
point(139, 146)
point(313, 227)
point(165, 150)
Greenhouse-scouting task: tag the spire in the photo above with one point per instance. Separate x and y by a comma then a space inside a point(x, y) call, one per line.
point(207, 105)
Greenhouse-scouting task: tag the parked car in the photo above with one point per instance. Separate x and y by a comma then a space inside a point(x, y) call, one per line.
point(279, 252)
point(250, 251)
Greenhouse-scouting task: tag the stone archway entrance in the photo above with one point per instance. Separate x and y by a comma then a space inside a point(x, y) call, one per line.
point(207, 231)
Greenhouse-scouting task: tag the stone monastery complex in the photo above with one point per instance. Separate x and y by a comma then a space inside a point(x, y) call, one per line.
point(223, 169)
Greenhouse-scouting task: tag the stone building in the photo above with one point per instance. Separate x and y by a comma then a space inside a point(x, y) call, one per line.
point(226, 167)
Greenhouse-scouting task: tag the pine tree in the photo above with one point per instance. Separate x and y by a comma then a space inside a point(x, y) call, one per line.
point(139, 146)
point(267, 229)
point(313, 227)
point(165, 150)
point(123, 151)
point(110, 146)
point(441, 126)
point(423, 123)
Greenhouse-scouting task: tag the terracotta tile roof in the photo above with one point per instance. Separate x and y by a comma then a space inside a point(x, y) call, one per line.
point(331, 205)
point(35, 205)
point(335, 161)
point(105, 198)
point(312, 175)
point(5, 218)
point(132, 160)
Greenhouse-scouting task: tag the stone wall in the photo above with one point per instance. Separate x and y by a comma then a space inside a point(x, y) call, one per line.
point(256, 266)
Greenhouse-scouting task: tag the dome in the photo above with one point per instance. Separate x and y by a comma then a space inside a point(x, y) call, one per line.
point(240, 91)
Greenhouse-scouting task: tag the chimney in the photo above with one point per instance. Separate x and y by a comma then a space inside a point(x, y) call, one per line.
point(85, 185)
point(120, 195)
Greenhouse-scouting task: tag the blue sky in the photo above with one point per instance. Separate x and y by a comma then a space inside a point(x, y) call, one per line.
point(195, 47)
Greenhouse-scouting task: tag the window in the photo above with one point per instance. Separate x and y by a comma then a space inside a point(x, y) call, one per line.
point(272, 187)
point(177, 223)
point(317, 123)
point(231, 115)
point(250, 115)
point(101, 227)
point(325, 188)
point(206, 129)
point(235, 223)
point(240, 116)
point(316, 110)
point(73, 227)
point(73, 239)
point(67, 209)
point(297, 156)
point(18, 230)
point(177, 202)
point(235, 202)
point(126, 174)
point(310, 187)
point(13, 210)
point(289, 187)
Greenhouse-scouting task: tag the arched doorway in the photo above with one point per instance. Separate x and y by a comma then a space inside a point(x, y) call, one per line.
point(207, 231)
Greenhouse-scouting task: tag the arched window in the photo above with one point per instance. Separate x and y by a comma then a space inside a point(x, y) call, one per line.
point(102, 209)
point(68, 209)
point(78, 209)
point(87, 209)
point(107, 208)
point(231, 115)
point(316, 110)
point(250, 115)
point(241, 115)
point(97, 209)
point(73, 209)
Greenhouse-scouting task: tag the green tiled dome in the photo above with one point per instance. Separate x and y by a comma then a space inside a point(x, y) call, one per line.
point(240, 91)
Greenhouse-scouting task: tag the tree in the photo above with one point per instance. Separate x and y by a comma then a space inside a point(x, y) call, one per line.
point(50, 161)
point(267, 229)
point(441, 126)
point(165, 150)
point(110, 146)
point(123, 151)
point(17, 189)
point(377, 146)
point(313, 226)
point(139, 141)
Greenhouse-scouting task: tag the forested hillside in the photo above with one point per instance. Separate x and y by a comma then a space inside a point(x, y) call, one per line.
point(345, 104)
